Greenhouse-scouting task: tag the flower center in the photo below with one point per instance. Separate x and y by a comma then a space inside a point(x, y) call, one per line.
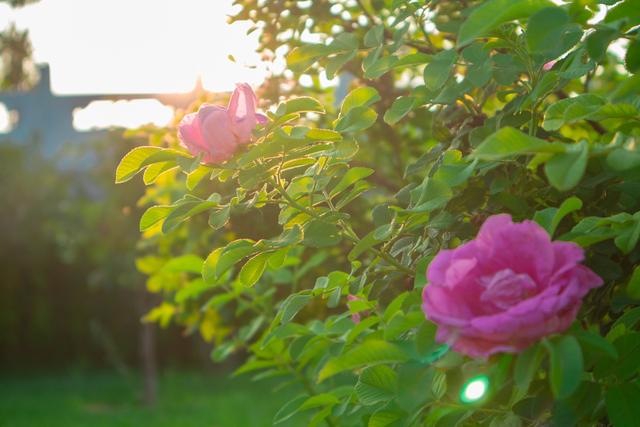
point(505, 288)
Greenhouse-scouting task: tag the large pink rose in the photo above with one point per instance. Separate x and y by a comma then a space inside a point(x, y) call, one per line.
point(506, 289)
point(217, 131)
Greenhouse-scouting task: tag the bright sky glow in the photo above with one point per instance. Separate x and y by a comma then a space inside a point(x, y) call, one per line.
point(137, 46)
point(140, 46)
point(5, 123)
point(127, 114)
point(475, 389)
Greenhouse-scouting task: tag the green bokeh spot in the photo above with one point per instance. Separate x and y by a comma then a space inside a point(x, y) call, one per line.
point(474, 389)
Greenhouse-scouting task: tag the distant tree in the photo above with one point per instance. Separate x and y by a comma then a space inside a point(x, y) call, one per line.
point(17, 70)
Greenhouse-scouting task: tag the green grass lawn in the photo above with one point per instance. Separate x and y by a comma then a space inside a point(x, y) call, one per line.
point(103, 399)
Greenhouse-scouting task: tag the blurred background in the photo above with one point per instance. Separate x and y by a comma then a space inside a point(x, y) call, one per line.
point(74, 75)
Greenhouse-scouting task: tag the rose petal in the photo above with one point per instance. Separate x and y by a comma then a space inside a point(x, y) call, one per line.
point(221, 142)
point(242, 112)
point(471, 295)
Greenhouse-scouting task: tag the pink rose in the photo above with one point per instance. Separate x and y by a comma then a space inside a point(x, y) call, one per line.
point(506, 289)
point(216, 131)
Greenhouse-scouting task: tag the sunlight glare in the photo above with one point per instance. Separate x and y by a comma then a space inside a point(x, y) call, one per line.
point(5, 119)
point(127, 114)
point(142, 46)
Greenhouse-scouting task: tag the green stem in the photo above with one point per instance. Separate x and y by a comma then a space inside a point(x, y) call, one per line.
point(292, 201)
point(346, 229)
point(382, 253)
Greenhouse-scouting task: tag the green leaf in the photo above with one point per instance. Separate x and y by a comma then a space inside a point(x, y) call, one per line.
point(596, 341)
point(375, 36)
point(429, 195)
point(436, 73)
point(321, 234)
point(360, 97)
point(492, 13)
point(292, 305)
point(627, 11)
point(301, 104)
point(454, 170)
point(622, 404)
point(345, 42)
point(184, 210)
point(195, 177)
point(369, 353)
point(622, 159)
point(209, 274)
point(352, 176)
point(192, 290)
point(598, 41)
point(545, 28)
point(357, 119)
point(383, 419)
point(380, 66)
point(632, 57)
point(401, 323)
point(303, 57)
point(323, 135)
point(510, 142)
point(616, 111)
point(154, 215)
point(633, 287)
point(627, 239)
point(359, 188)
point(425, 339)
point(629, 319)
point(365, 243)
point(218, 218)
point(550, 218)
point(376, 384)
point(545, 86)
point(400, 108)
point(289, 409)
point(288, 237)
point(627, 345)
point(565, 170)
point(184, 264)
point(135, 160)
point(566, 365)
point(570, 110)
point(420, 278)
point(361, 327)
point(252, 270)
point(277, 258)
point(319, 400)
point(336, 62)
point(233, 253)
point(480, 74)
point(507, 420)
point(394, 306)
point(152, 172)
point(527, 364)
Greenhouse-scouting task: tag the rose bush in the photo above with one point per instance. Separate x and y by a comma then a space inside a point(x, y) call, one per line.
point(307, 249)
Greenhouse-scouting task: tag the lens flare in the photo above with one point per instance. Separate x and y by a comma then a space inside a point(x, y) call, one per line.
point(474, 389)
